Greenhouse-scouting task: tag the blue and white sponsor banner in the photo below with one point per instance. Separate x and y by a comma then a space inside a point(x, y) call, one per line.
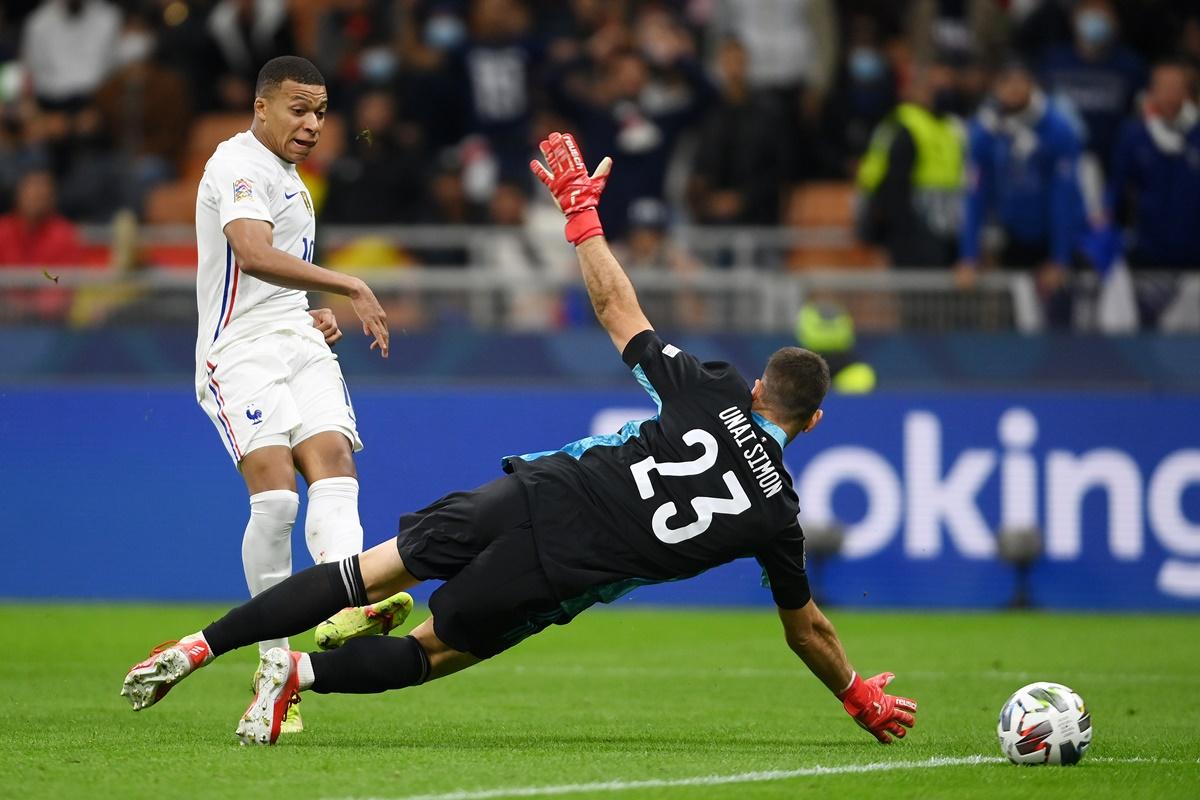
point(126, 492)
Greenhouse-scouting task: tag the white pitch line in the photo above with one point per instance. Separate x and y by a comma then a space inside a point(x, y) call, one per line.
point(702, 780)
point(742, 777)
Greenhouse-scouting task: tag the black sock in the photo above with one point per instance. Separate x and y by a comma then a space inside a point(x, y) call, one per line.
point(370, 664)
point(291, 607)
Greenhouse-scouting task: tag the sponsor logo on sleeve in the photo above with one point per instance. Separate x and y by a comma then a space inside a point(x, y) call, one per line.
point(243, 190)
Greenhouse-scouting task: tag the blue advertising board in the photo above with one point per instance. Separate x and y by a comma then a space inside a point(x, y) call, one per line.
point(125, 492)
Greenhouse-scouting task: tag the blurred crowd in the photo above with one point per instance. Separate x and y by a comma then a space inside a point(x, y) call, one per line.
point(1053, 135)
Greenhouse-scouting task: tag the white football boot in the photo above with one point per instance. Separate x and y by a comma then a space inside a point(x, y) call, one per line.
point(149, 681)
point(278, 687)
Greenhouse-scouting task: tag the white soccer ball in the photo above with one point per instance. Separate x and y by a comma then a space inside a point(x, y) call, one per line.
point(1044, 723)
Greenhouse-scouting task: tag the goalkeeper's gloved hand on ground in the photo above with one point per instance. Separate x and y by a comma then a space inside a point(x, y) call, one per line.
point(576, 193)
point(876, 711)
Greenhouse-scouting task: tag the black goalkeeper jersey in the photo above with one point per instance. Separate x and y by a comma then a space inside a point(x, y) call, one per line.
point(697, 485)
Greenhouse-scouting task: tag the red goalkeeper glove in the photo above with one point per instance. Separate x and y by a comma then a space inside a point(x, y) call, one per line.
point(575, 192)
point(879, 713)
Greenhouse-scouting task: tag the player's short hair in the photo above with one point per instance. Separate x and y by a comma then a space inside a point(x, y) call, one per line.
point(287, 68)
point(796, 382)
point(1171, 62)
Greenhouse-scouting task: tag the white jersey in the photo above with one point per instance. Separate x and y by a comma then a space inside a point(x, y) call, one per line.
point(245, 180)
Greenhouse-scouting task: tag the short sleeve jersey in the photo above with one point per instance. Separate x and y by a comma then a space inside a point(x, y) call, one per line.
point(245, 180)
point(697, 485)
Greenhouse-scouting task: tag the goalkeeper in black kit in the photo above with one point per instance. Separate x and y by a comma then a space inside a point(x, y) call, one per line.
point(699, 484)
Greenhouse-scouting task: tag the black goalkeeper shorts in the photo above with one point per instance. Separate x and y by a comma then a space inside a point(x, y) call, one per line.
point(481, 544)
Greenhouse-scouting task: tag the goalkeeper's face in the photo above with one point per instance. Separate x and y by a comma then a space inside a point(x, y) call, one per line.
point(292, 116)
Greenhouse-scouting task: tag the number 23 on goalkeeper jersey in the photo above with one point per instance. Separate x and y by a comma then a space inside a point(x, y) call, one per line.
point(699, 484)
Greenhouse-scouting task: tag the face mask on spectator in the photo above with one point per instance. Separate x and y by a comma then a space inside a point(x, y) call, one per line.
point(1094, 28)
point(444, 31)
point(866, 65)
point(378, 64)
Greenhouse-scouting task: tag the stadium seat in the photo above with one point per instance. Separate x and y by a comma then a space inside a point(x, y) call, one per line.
point(173, 202)
point(306, 18)
point(829, 206)
point(208, 131)
point(170, 256)
point(849, 256)
point(822, 205)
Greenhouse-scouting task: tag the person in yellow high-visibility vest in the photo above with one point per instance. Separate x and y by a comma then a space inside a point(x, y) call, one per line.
point(911, 178)
point(828, 329)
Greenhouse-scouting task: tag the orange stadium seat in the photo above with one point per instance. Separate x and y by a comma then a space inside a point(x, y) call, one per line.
point(173, 202)
point(822, 205)
point(306, 16)
point(829, 205)
point(171, 256)
point(852, 256)
point(208, 131)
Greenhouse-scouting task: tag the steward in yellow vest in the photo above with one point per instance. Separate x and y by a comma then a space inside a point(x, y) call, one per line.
point(911, 179)
point(828, 330)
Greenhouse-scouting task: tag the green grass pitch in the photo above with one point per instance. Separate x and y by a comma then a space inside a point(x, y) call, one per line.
point(621, 697)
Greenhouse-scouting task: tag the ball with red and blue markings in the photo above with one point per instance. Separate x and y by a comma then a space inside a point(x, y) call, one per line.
point(1044, 723)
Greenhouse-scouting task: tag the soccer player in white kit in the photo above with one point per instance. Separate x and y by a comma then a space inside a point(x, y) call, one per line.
point(265, 374)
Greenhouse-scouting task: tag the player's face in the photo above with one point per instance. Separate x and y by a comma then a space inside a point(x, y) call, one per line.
point(1014, 90)
point(292, 117)
point(1169, 90)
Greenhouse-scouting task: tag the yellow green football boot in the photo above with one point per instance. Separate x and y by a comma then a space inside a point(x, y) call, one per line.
point(376, 619)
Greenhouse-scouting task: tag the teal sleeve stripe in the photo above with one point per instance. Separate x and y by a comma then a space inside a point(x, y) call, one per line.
point(569, 609)
point(605, 593)
point(640, 374)
point(576, 449)
point(630, 429)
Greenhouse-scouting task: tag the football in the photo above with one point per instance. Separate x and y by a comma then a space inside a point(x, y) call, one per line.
point(1044, 723)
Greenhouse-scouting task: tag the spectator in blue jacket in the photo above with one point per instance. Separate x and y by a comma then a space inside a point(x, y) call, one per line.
point(1097, 74)
point(1022, 170)
point(637, 106)
point(1155, 185)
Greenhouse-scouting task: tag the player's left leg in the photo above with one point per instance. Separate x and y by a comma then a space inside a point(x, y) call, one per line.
point(494, 602)
point(497, 600)
point(332, 528)
point(323, 449)
point(367, 665)
point(285, 609)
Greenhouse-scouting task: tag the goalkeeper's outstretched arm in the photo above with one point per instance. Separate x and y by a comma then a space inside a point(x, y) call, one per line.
point(611, 293)
point(812, 637)
point(577, 194)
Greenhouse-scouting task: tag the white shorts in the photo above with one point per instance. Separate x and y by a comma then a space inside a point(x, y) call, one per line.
point(279, 389)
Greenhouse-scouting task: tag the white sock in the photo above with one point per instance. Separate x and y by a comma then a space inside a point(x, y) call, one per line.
point(267, 544)
point(331, 527)
point(305, 670)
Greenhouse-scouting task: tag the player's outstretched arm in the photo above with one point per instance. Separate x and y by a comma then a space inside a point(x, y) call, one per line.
point(811, 636)
point(577, 194)
point(252, 244)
